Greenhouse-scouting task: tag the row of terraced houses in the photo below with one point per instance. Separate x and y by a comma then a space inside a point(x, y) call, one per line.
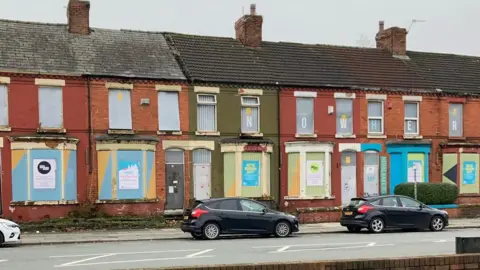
point(144, 122)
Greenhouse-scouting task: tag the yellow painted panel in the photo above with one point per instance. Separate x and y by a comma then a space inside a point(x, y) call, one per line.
point(17, 155)
point(102, 158)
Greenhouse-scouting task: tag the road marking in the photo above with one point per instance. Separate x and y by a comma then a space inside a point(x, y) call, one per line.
point(332, 248)
point(306, 245)
point(283, 248)
point(440, 241)
point(125, 253)
point(134, 261)
point(371, 244)
point(85, 260)
point(199, 253)
point(3, 261)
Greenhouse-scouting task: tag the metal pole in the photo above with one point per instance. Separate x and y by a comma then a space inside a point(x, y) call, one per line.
point(415, 179)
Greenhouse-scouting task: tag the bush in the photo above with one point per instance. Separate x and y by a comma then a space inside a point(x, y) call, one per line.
point(430, 193)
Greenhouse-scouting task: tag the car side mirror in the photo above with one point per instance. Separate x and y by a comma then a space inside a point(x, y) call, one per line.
point(421, 206)
point(265, 210)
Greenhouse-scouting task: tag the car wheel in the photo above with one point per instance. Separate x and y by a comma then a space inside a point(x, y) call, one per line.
point(197, 236)
point(282, 229)
point(353, 229)
point(211, 231)
point(437, 224)
point(377, 225)
point(2, 238)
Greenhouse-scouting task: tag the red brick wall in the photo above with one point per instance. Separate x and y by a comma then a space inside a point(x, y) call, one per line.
point(145, 122)
point(24, 119)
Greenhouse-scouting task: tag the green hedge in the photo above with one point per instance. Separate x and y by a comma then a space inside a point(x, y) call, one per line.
point(430, 193)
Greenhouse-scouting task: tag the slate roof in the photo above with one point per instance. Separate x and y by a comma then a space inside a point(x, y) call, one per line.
point(50, 48)
point(226, 60)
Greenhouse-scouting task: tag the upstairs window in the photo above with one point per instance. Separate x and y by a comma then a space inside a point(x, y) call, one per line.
point(206, 112)
point(119, 109)
point(305, 115)
point(411, 118)
point(250, 114)
point(50, 104)
point(168, 111)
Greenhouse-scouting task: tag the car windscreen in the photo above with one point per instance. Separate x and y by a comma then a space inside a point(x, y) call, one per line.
point(357, 202)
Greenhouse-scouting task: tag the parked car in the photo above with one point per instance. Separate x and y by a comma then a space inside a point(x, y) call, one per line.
point(391, 212)
point(214, 217)
point(9, 232)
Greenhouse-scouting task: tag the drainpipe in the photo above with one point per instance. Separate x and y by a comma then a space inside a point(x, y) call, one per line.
point(279, 154)
point(89, 106)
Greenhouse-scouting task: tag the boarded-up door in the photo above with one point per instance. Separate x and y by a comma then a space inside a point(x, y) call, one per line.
point(370, 174)
point(175, 181)
point(349, 179)
point(202, 174)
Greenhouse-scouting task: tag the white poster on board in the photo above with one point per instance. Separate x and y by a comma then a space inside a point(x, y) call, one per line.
point(315, 173)
point(128, 178)
point(44, 171)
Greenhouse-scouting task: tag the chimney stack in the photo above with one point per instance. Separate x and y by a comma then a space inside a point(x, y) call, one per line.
point(78, 14)
point(248, 29)
point(393, 39)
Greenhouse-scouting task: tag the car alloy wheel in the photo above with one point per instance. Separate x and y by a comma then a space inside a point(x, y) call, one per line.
point(377, 225)
point(211, 231)
point(282, 229)
point(437, 224)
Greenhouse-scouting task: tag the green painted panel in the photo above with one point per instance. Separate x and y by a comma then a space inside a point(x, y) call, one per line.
point(414, 158)
point(268, 165)
point(293, 174)
point(315, 190)
point(249, 191)
point(229, 174)
point(468, 173)
point(449, 161)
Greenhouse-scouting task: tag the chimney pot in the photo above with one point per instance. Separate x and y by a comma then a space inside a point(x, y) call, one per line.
point(381, 26)
point(78, 15)
point(248, 29)
point(253, 8)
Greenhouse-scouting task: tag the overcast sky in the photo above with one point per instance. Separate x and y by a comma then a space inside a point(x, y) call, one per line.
point(449, 26)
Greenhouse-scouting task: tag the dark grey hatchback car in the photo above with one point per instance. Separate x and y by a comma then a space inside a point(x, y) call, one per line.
point(391, 212)
point(213, 217)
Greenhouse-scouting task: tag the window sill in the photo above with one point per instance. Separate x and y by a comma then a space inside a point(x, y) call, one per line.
point(5, 129)
point(373, 136)
point(305, 135)
point(412, 137)
point(127, 201)
point(298, 198)
point(457, 138)
point(121, 131)
point(34, 203)
point(161, 132)
point(207, 133)
point(51, 130)
point(251, 134)
point(345, 136)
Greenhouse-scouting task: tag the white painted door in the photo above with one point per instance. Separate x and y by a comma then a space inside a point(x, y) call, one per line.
point(202, 179)
point(370, 174)
point(348, 176)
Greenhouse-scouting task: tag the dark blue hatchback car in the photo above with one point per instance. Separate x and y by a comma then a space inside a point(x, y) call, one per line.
point(213, 217)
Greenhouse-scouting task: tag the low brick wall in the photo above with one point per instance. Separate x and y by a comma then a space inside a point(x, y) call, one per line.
point(452, 262)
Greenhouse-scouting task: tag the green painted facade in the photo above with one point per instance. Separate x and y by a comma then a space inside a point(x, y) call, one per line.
point(229, 125)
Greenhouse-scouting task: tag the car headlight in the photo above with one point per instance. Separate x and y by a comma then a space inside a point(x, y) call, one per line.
point(10, 224)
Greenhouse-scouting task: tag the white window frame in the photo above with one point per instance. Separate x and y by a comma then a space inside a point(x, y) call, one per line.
point(376, 117)
point(257, 105)
point(405, 118)
point(214, 103)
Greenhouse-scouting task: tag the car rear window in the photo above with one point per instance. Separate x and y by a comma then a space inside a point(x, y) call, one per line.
point(356, 202)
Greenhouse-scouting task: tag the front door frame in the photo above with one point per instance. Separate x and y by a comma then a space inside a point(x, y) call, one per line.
point(166, 182)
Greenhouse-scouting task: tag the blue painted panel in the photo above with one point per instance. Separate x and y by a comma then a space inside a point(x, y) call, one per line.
point(131, 162)
point(46, 194)
point(150, 164)
point(71, 175)
point(106, 189)
point(397, 171)
point(444, 206)
point(20, 180)
point(371, 147)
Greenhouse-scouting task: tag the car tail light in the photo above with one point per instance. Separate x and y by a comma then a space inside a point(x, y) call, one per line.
point(364, 209)
point(198, 212)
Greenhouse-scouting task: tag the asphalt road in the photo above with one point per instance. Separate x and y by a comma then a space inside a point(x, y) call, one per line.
point(186, 252)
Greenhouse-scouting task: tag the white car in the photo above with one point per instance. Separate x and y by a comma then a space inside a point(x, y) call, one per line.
point(9, 232)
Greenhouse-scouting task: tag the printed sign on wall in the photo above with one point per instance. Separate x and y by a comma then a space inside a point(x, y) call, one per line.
point(415, 168)
point(44, 173)
point(250, 173)
point(469, 172)
point(314, 172)
point(128, 175)
point(383, 175)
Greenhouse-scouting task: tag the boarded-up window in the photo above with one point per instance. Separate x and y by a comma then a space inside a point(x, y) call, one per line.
point(206, 112)
point(370, 173)
point(455, 123)
point(344, 109)
point(3, 105)
point(411, 118)
point(50, 103)
point(168, 111)
point(119, 109)
point(250, 114)
point(375, 117)
point(304, 115)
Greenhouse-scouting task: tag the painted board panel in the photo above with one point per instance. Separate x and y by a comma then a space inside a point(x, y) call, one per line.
point(202, 181)
point(70, 174)
point(229, 174)
point(317, 160)
point(416, 167)
point(293, 174)
point(348, 176)
point(104, 160)
point(45, 180)
point(19, 175)
point(469, 173)
point(151, 189)
point(396, 171)
point(450, 168)
point(370, 174)
point(383, 175)
point(251, 167)
point(129, 174)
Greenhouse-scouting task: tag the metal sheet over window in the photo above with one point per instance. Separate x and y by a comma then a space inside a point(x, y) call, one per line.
point(250, 114)
point(375, 117)
point(168, 111)
point(119, 109)
point(411, 118)
point(305, 116)
point(344, 109)
point(3, 105)
point(202, 156)
point(50, 103)
point(174, 156)
point(206, 113)
point(455, 123)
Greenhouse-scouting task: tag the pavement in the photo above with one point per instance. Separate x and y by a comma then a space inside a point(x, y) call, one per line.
point(48, 238)
point(188, 252)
